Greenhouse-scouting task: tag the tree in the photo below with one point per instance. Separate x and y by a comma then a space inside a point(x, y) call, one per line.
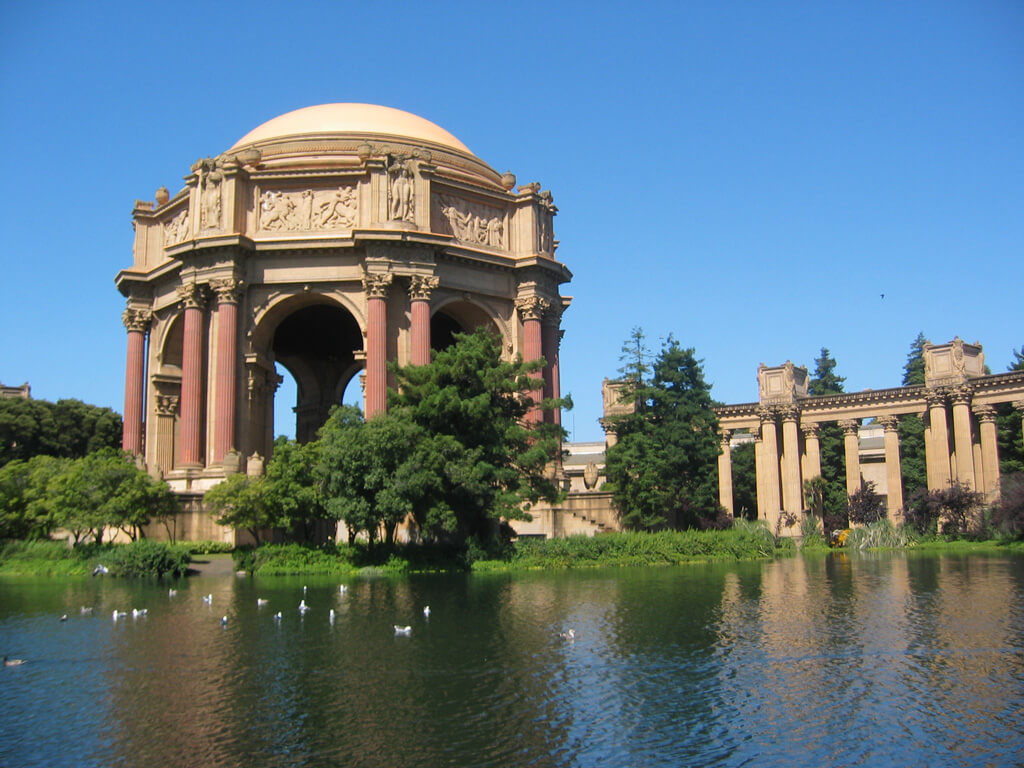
point(866, 505)
point(663, 466)
point(1008, 428)
point(291, 492)
point(239, 502)
point(744, 481)
point(67, 428)
point(953, 510)
point(478, 461)
point(822, 382)
point(913, 462)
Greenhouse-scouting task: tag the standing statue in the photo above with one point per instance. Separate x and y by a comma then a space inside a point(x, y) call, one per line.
point(402, 192)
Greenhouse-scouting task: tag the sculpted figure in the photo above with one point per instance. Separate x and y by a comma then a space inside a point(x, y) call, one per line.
point(494, 232)
point(339, 209)
point(274, 210)
point(402, 194)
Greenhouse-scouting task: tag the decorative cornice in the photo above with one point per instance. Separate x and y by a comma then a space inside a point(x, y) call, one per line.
point(421, 287)
point(136, 319)
point(532, 307)
point(376, 285)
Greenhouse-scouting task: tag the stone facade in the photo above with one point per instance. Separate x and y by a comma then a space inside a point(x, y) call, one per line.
point(331, 240)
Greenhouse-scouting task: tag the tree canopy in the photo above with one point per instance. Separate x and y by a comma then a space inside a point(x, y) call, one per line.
point(663, 466)
point(68, 429)
point(832, 495)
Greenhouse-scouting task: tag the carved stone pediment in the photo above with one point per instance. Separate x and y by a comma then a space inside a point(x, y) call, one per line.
point(307, 210)
point(469, 222)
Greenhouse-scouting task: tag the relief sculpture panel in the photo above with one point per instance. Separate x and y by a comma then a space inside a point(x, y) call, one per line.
point(308, 210)
point(176, 229)
point(472, 223)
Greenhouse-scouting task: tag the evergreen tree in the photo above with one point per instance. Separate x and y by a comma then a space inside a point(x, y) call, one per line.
point(744, 481)
point(68, 429)
point(913, 463)
point(1008, 428)
point(913, 369)
point(663, 467)
point(824, 381)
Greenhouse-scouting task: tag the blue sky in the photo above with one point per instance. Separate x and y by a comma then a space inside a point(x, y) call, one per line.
point(749, 176)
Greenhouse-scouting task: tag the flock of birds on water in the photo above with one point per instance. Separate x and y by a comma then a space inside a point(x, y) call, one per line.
point(138, 613)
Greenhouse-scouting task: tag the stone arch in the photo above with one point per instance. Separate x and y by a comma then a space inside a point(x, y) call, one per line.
point(460, 315)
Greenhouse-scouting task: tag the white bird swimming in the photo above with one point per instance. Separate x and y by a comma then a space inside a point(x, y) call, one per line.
point(64, 617)
point(403, 630)
point(137, 612)
point(100, 570)
point(208, 599)
point(426, 611)
point(12, 662)
point(342, 588)
point(261, 601)
point(277, 616)
point(172, 592)
point(119, 614)
point(85, 611)
point(303, 607)
point(223, 621)
point(331, 615)
point(570, 635)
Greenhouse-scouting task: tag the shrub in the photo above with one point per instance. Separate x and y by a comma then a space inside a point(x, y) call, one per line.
point(881, 533)
point(1008, 512)
point(209, 547)
point(150, 559)
point(285, 559)
point(952, 511)
point(865, 505)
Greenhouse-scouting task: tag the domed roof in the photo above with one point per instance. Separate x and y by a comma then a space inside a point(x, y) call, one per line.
point(351, 118)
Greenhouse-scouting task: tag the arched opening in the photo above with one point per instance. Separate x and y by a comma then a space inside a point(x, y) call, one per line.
point(457, 317)
point(317, 345)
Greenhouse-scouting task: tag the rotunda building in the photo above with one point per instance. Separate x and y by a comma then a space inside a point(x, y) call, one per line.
point(331, 240)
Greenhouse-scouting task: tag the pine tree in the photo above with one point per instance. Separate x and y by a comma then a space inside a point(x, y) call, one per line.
point(1008, 428)
point(824, 381)
point(913, 462)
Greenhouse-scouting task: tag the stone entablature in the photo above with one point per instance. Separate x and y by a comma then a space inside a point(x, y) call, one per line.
point(956, 404)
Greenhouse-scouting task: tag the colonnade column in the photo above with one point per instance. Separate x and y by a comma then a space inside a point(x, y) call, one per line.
point(376, 287)
point(194, 300)
point(227, 291)
point(725, 471)
point(852, 451)
point(812, 450)
point(768, 474)
point(791, 492)
point(937, 448)
point(1019, 405)
point(893, 470)
point(136, 321)
point(989, 469)
point(420, 289)
point(531, 310)
point(962, 436)
point(551, 337)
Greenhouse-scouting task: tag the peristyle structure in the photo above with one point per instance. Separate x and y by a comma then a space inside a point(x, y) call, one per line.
point(331, 240)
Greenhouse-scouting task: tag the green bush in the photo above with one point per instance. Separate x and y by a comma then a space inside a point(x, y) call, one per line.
point(209, 547)
point(286, 559)
point(48, 558)
point(149, 559)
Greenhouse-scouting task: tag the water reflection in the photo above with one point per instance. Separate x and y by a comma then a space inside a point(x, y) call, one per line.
point(887, 659)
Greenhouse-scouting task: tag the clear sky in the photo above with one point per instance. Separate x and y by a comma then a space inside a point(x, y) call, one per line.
point(751, 177)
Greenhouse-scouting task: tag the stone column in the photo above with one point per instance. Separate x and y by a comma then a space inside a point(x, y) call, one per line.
point(376, 396)
point(759, 472)
point(792, 498)
point(768, 472)
point(531, 310)
point(725, 472)
point(852, 450)
point(988, 472)
point(550, 338)
point(1019, 405)
point(893, 470)
point(136, 321)
point(812, 450)
point(962, 437)
point(420, 289)
point(194, 300)
point(226, 367)
point(937, 449)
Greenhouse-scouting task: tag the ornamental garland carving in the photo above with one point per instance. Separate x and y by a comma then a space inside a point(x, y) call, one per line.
point(176, 230)
point(472, 223)
point(308, 210)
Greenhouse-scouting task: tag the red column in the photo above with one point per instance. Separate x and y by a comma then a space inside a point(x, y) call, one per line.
point(376, 287)
point(531, 310)
point(552, 385)
point(136, 321)
point(192, 376)
point(227, 365)
point(420, 289)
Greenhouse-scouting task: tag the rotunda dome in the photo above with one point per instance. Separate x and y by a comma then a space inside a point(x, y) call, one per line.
point(359, 119)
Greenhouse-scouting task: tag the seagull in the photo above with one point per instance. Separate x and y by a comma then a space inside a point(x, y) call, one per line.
point(303, 590)
point(303, 607)
point(260, 601)
point(86, 611)
point(342, 588)
point(403, 630)
point(426, 611)
point(224, 621)
point(137, 612)
point(208, 599)
point(570, 635)
point(12, 662)
point(64, 617)
point(172, 592)
point(277, 616)
point(119, 614)
point(99, 570)
point(332, 615)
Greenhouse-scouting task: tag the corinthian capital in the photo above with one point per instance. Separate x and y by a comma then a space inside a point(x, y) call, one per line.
point(422, 286)
point(985, 413)
point(935, 397)
point(377, 285)
point(962, 395)
point(790, 413)
point(228, 290)
point(725, 436)
point(532, 307)
point(849, 426)
point(890, 422)
point(192, 295)
point(136, 319)
point(767, 414)
point(811, 429)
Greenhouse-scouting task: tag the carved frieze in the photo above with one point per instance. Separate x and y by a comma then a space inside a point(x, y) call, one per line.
point(308, 210)
point(469, 222)
point(176, 229)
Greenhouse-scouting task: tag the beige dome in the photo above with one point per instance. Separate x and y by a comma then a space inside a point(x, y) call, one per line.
point(351, 118)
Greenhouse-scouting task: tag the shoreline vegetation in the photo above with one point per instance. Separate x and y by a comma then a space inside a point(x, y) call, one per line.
point(747, 541)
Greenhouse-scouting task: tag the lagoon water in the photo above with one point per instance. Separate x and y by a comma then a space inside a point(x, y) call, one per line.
point(875, 660)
